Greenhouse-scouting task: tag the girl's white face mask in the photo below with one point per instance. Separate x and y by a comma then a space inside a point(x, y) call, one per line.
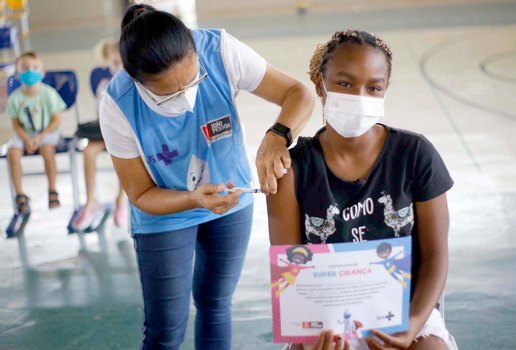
point(352, 115)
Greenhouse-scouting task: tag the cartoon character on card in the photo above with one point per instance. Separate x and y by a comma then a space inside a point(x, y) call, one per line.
point(284, 276)
point(198, 173)
point(350, 326)
point(399, 269)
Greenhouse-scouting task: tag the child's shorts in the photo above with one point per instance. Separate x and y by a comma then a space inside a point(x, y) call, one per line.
point(51, 139)
point(434, 325)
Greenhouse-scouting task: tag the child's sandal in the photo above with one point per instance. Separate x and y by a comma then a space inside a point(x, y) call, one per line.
point(53, 200)
point(22, 203)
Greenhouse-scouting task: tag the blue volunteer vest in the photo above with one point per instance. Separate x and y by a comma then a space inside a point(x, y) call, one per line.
point(181, 153)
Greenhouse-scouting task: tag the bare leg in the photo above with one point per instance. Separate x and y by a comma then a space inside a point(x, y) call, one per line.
point(90, 210)
point(90, 169)
point(48, 153)
point(14, 156)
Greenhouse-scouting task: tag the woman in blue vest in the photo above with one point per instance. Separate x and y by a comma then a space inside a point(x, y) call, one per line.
point(171, 126)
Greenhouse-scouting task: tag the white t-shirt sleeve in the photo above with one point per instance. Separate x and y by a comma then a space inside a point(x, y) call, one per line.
point(245, 68)
point(117, 133)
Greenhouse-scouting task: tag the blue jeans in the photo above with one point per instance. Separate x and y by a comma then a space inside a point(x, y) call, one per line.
point(165, 262)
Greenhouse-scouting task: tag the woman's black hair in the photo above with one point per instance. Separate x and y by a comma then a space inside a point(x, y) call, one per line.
point(152, 41)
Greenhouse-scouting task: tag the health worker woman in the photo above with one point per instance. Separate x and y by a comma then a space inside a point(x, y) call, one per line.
point(170, 123)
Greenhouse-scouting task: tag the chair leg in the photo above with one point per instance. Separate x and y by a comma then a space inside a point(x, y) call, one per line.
point(24, 24)
point(74, 174)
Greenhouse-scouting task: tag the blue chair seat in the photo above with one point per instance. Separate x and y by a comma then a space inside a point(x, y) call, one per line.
point(62, 147)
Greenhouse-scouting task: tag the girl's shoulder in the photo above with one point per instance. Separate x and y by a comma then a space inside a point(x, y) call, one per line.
point(307, 150)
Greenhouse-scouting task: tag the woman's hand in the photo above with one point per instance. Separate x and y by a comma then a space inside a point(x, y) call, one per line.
point(272, 160)
point(207, 196)
point(151, 199)
point(398, 341)
point(27, 145)
point(297, 103)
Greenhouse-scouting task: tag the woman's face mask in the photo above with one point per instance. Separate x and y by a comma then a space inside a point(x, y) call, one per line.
point(30, 77)
point(177, 105)
point(352, 115)
point(181, 101)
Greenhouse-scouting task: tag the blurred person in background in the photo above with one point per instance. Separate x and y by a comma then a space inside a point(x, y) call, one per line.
point(107, 52)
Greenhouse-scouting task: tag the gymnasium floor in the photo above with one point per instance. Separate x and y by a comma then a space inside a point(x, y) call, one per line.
point(454, 76)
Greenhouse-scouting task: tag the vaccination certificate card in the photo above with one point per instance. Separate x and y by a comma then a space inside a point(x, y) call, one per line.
point(351, 288)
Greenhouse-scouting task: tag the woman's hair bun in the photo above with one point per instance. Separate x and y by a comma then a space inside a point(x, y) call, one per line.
point(134, 11)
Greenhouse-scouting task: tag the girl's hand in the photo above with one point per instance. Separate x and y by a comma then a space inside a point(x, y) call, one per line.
point(398, 341)
point(33, 144)
point(327, 341)
point(27, 145)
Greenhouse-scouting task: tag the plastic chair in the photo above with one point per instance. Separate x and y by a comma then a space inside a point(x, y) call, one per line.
point(65, 82)
point(97, 75)
point(9, 50)
point(9, 42)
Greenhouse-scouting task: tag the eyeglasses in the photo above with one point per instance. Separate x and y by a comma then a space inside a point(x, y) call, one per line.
point(173, 96)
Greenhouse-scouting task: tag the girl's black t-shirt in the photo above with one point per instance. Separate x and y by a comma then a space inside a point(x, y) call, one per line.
point(408, 169)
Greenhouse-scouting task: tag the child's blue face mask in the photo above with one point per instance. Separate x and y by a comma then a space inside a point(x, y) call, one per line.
point(30, 77)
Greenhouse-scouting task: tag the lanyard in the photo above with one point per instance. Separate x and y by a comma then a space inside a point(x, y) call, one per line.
point(27, 110)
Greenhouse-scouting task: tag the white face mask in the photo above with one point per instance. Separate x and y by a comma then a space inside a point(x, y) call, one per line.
point(181, 104)
point(177, 106)
point(352, 115)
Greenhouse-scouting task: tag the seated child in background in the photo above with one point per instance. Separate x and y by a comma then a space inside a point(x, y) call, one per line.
point(35, 109)
point(354, 161)
point(108, 53)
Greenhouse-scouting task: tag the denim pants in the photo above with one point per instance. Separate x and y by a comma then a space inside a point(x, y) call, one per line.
point(165, 262)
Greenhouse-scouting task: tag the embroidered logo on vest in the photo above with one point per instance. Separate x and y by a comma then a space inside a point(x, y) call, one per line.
point(217, 129)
